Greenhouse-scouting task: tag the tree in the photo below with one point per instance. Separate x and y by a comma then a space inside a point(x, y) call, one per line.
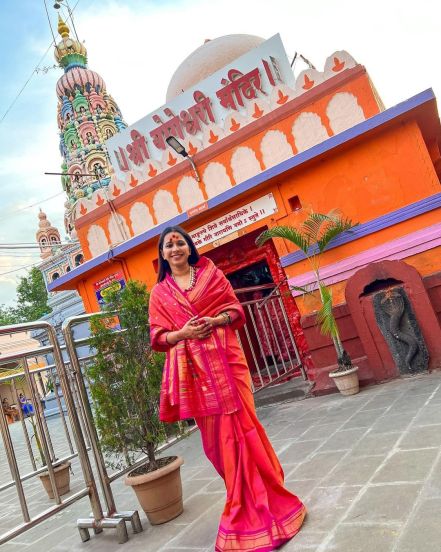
point(7, 315)
point(313, 237)
point(31, 300)
point(31, 297)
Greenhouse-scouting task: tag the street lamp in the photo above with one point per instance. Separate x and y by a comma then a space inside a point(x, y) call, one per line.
point(180, 150)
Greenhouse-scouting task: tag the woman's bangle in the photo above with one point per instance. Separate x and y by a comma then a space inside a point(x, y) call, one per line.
point(226, 317)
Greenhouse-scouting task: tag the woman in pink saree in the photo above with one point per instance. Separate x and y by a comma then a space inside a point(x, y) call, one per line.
point(193, 317)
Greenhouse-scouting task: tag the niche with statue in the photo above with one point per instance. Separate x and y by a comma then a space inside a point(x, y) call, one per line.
point(401, 331)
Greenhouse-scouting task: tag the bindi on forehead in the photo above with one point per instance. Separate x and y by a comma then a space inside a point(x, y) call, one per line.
point(173, 237)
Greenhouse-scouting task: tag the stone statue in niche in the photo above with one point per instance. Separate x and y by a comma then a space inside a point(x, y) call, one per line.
point(400, 329)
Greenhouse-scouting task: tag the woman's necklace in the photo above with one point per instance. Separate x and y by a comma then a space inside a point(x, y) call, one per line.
point(192, 282)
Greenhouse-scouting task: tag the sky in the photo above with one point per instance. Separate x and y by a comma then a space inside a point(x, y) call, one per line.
point(136, 45)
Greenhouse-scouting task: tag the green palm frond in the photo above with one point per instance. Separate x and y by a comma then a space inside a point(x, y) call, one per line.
point(312, 226)
point(325, 316)
point(286, 232)
point(304, 290)
point(333, 229)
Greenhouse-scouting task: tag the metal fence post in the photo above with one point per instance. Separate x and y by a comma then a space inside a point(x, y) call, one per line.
point(97, 523)
point(131, 516)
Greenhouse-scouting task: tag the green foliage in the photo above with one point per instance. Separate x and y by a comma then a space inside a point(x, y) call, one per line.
point(313, 237)
point(288, 233)
point(7, 316)
point(31, 300)
point(325, 317)
point(37, 440)
point(125, 376)
point(31, 297)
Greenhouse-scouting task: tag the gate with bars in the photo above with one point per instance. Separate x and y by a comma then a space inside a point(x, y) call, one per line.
point(267, 338)
point(269, 346)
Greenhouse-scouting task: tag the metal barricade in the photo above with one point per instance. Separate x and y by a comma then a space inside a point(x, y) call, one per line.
point(39, 424)
point(267, 338)
point(105, 479)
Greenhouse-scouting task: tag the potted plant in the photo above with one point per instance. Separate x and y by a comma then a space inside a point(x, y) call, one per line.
point(61, 470)
point(313, 237)
point(125, 380)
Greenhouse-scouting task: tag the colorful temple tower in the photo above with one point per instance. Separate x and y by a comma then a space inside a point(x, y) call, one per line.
point(87, 116)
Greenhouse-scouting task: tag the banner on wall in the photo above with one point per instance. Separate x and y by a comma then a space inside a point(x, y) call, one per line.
point(113, 282)
point(235, 221)
point(226, 92)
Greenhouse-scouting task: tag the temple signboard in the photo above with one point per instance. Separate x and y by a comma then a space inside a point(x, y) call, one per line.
point(228, 91)
point(113, 282)
point(234, 221)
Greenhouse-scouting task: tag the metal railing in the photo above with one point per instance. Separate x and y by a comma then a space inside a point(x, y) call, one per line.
point(44, 440)
point(105, 479)
point(267, 339)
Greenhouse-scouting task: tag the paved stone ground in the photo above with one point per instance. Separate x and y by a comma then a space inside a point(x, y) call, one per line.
point(368, 468)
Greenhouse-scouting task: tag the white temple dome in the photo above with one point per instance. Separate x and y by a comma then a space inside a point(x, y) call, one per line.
point(209, 58)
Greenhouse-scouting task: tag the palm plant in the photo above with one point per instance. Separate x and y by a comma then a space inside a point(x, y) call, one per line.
point(313, 237)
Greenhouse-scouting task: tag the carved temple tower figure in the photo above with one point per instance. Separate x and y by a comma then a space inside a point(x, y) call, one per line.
point(87, 116)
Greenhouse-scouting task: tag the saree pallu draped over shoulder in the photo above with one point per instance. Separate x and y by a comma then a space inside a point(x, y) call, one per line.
point(209, 380)
point(197, 378)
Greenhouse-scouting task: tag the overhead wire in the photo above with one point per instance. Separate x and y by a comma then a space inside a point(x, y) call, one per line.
point(11, 249)
point(35, 246)
point(34, 71)
point(12, 213)
point(17, 269)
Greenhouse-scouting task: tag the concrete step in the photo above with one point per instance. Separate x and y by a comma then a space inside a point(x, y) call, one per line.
point(295, 389)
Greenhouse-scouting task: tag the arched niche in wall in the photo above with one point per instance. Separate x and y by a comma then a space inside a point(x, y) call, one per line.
point(97, 240)
point(164, 206)
point(78, 259)
point(344, 111)
point(275, 148)
point(216, 179)
point(244, 164)
point(140, 218)
point(384, 278)
point(189, 193)
point(308, 131)
point(118, 228)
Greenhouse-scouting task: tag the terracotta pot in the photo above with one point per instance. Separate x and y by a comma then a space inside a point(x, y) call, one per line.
point(62, 479)
point(347, 381)
point(159, 492)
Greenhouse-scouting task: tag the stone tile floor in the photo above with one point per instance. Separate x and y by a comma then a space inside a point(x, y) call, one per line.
point(368, 468)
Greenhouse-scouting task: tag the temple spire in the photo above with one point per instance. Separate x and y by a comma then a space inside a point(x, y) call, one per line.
point(63, 29)
point(48, 236)
point(87, 116)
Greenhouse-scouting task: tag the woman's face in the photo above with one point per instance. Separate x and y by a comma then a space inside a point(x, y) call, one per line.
point(175, 250)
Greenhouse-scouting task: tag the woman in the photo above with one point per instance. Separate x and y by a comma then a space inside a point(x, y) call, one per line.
point(9, 411)
point(193, 317)
point(26, 406)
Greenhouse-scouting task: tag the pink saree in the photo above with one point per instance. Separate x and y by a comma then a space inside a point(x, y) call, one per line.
point(210, 381)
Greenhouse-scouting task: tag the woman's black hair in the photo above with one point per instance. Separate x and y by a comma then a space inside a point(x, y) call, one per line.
point(164, 267)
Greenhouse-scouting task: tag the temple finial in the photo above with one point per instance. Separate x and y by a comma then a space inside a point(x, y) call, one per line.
point(63, 29)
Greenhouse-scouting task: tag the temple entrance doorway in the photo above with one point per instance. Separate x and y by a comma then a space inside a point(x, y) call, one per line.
point(269, 337)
